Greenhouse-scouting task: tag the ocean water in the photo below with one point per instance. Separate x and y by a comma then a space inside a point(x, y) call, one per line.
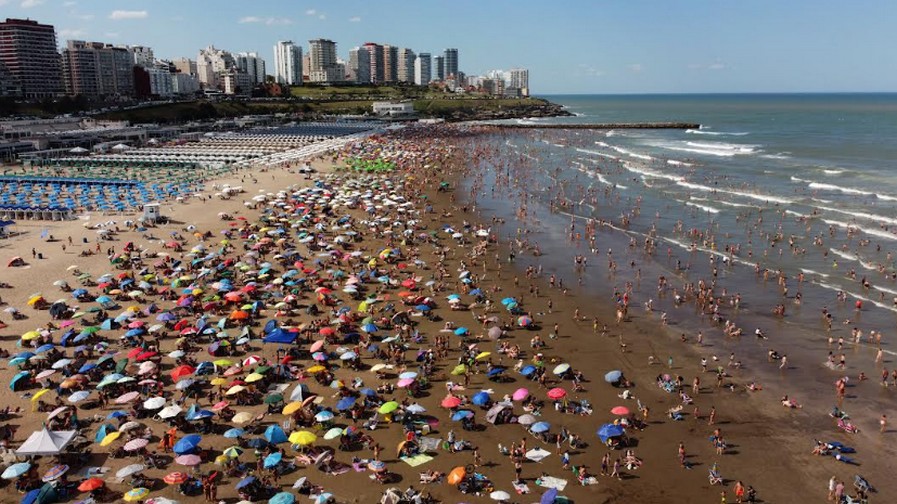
point(797, 184)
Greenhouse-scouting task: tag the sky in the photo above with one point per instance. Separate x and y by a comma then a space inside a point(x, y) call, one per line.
point(569, 46)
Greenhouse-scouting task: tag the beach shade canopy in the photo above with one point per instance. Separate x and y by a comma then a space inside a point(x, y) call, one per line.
point(456, 476)
point(608, 431)
point(549, 497)
point(175, 478)
point(136, 494)
point(187, 444)
point(275, 434)
point(282, 498)
point(480, 398)
point(188, 460)
point(280, 336)
point(46, 442)
point(556, 393)
point(500, 496)
point(540, 427)
point(128, 470)
point(234, 433)
point(90, 485)
point(520, 394)
point(272, 460)
point(613, 376)
point(43, 495)
point(620, 410)
point(15, 470)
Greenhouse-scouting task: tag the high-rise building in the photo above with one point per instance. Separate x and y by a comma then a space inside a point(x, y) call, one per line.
point(252, 65)
point(360, 65)
point(184, 84)
point(142, 55)
point(422, 70)
point(375, 52)
point(96, 69)
point(519, 79)
point(185, 66)
point(288, 63)
point(439, 67)
point(160, 81)
point(451, 63)
point(390, 63)
point(323, 65)
point(406, 65)
point(211, 63)
point(28, 51)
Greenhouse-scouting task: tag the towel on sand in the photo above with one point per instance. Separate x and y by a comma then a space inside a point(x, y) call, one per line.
point(417, 460)
point(552, 482)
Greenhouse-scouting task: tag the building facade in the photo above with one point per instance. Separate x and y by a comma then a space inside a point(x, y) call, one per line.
point(288, 63)
point(28, 52)
point(185, 66)
point(184, 84)
point(519, 79)
point(390, 64)
point(439, 67)
point(96, 69)
point(142, 56)
point(375, 53)
point(450, 63)
point(252, 65)
point(359, 65)
point(406, 65)
point(160, 82)
point(422, 69)
point(323, 64)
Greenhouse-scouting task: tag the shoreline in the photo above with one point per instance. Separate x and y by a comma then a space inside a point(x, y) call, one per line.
point(767, 433)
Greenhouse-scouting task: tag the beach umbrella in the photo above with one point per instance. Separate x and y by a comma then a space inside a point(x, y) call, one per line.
point(43, 495)
point(170, 411)
point(520, 394)
point(232, 452)
point(154, 403)
point(524, 321)
point(540, 427)
point(377, 465)
point(303, 438)
point(500, 496)
point(456, 476)
point(462, 415)
point(109, 438)
point(324, 416)
point(620, 410)
point(136, 444)
point(480, 398)
point(128, 397)
point(556, 393)
point(15, 470)
point(188, 460)
point(274, 434)
point(282, 498)
point(128, 470)
point(451, 402)
point(526, 419)
point(388, 407)
point(345, 403)
point(528, 370)
point(462, 331)
point(333, 433)
point(136, 494)
point(272, 460)
point(613, 376)
point(78, 396)
point(245, 482)
point(187, 444)
point(242, 417)
point(91, 484)
point(608, 431)
point(176, 478)
point(495, 372)
point(549, 497)
point(561, 369)
point(234, 433)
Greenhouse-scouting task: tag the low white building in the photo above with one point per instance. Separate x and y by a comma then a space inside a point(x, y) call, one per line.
point(393, 109)
point(160, 82)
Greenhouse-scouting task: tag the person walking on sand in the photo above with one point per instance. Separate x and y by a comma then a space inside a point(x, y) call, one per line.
point(711, 419)
point(784, 364)
point(739, 492)
point(831, 487)
point(616, 471)
point(883, 422)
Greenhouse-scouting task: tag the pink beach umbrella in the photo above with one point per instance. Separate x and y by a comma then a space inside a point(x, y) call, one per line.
point(520, 394)
point(136, 444)
point(317, 346)
point(404, 382)
point(620, 411)
point(188, 460)
point(126, 398)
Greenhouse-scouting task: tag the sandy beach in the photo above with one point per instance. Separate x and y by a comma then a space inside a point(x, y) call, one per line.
point(761, 444)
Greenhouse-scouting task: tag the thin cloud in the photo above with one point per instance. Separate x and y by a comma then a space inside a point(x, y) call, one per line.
point(270, 21)
point(83, 17)
point(355, 19)
point(64, 4)
point(72, 33)
point(717, 65)
point(322, 16)
point(310, 12)
point(27, 4)
point(635, 67)
point(125, 14)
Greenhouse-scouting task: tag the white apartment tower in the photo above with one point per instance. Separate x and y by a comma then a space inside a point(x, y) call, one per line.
point(252, 65)
point(288, 63)
point(422, 69)
point(520, 80)
point(406, 65)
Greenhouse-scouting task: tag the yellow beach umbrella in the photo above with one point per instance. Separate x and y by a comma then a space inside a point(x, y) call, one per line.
point(316, 369)
point(218, 381)
point(303, 438)
point(30, 335)
point(483, 355)
point(222, 362)
point(34, 300)
point(291, 408)
point(253, 377)
point(112, 436)
point(236, 389)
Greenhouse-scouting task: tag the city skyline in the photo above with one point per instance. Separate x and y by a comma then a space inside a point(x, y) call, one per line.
point(581, 47)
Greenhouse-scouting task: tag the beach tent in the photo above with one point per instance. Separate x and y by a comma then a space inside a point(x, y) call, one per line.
point(46, 442)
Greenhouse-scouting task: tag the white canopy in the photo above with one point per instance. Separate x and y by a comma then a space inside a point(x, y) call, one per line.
point(46, 442)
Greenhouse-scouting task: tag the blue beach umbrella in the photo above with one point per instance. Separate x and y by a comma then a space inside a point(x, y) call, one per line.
point(282, 498)
point(345, 403)
point(272, 460)
point(608, 431)
point(549, 496)
point(274, 434)
point(480, 398)
point(528, 370)
point(234, 433)
point(245, 482)
point(461, 415)
point(613, 376)
point(187, 444)
point(540, 427)
point(461, 331)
